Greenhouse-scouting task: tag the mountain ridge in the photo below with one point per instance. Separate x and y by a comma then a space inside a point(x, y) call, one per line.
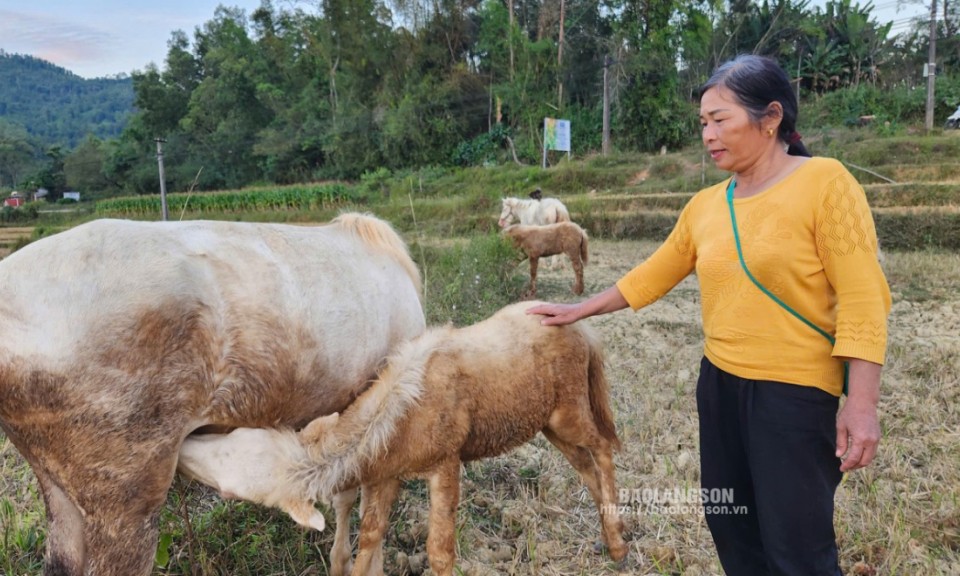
point(59, 108)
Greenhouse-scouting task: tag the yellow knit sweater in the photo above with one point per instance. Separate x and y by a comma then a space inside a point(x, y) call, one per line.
point(809, 239)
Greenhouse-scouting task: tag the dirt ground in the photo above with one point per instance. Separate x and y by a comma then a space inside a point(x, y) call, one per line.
point(526, 513)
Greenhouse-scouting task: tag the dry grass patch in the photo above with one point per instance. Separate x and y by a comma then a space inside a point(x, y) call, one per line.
point(9, 237)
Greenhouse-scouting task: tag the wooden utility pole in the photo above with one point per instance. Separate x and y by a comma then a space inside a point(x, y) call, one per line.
point(510, 36)
point(163, 180)
point(931, 65)
point(605, 146)
point(799, 78)
point(560, 59)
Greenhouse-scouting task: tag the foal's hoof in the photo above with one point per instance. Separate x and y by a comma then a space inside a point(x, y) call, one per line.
point(618, 555)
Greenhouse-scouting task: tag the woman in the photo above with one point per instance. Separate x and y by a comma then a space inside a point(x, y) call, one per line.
point(771, 378)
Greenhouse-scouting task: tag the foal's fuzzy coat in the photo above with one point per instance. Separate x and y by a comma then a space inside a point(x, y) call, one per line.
point(454, 395)
point(561, 238)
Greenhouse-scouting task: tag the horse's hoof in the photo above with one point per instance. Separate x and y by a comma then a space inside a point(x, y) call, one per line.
point(619, 555)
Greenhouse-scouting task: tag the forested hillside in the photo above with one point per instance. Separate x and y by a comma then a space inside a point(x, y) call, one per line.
point(347, 88)
point(57, 107)
point(337, 89)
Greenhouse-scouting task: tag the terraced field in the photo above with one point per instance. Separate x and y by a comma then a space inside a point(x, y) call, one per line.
point(10, 236)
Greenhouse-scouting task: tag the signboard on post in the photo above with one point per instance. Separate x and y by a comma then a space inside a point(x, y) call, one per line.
point(556, 136)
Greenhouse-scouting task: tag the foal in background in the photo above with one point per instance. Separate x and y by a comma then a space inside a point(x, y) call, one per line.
point(539, 241)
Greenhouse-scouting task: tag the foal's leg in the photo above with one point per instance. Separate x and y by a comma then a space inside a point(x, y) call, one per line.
point(582, 462)
point(534, 260)
point(340, 553)
point(595, 466)
point(376, 502)
point(577, 270)
point(602, 454)
point(444, 499)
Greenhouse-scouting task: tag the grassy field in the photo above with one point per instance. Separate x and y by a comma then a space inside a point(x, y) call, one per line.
point(526, 513)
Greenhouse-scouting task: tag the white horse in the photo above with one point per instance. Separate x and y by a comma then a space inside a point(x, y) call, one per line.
point(118, 339)
point(533, 212)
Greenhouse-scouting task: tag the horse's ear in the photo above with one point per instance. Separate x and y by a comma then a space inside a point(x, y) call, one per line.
point(318, 428)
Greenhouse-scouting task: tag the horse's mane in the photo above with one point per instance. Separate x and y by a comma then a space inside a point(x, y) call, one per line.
point(520, 202)
point(363, 432)
point(381, 235)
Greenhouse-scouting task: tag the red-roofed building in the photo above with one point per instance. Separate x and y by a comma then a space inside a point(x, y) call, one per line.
point(15, 199)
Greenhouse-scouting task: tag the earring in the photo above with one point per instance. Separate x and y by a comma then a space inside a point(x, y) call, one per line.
point(770, 132)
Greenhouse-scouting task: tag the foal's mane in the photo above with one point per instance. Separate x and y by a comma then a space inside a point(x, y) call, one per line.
point(364, 430)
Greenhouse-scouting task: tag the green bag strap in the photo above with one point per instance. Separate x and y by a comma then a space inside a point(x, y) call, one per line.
point(781, 303)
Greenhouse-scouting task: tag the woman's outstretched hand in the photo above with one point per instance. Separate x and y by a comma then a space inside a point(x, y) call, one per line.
point(610, 300)
point(556, 314)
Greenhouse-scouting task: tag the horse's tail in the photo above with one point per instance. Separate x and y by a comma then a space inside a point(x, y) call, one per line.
point(583, 246)
point(381, 235)
point(599, 391)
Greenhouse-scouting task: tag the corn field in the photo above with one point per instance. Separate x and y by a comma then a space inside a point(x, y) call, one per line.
point(297, 197)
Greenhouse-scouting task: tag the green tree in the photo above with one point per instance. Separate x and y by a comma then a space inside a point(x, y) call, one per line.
point(224, 112)
point(651, 112)
point(52, 176)
point(290, 84)
point(83, 169)
point(17, 154)
point(864, 43)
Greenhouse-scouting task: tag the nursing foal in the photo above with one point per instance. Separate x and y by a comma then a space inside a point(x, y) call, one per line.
point(449, 396)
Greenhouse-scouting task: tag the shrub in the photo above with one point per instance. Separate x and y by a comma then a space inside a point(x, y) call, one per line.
point(468, 281)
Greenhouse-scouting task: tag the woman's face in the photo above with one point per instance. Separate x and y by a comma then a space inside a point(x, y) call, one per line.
point(733, 139)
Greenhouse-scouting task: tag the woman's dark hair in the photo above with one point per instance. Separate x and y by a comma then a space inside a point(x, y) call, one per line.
point(755, 82)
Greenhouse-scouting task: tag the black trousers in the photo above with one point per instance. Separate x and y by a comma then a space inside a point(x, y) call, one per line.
point(770, 448)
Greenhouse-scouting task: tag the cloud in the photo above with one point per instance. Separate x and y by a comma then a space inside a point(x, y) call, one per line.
point(102, 37)
point(66, 43)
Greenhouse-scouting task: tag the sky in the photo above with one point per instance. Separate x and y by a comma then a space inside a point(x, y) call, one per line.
point(97, 38)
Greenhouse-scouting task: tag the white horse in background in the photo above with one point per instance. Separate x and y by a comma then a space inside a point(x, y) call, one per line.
point(533, 212)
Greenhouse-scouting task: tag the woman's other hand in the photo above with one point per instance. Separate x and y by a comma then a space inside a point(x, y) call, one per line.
point(858, 426)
